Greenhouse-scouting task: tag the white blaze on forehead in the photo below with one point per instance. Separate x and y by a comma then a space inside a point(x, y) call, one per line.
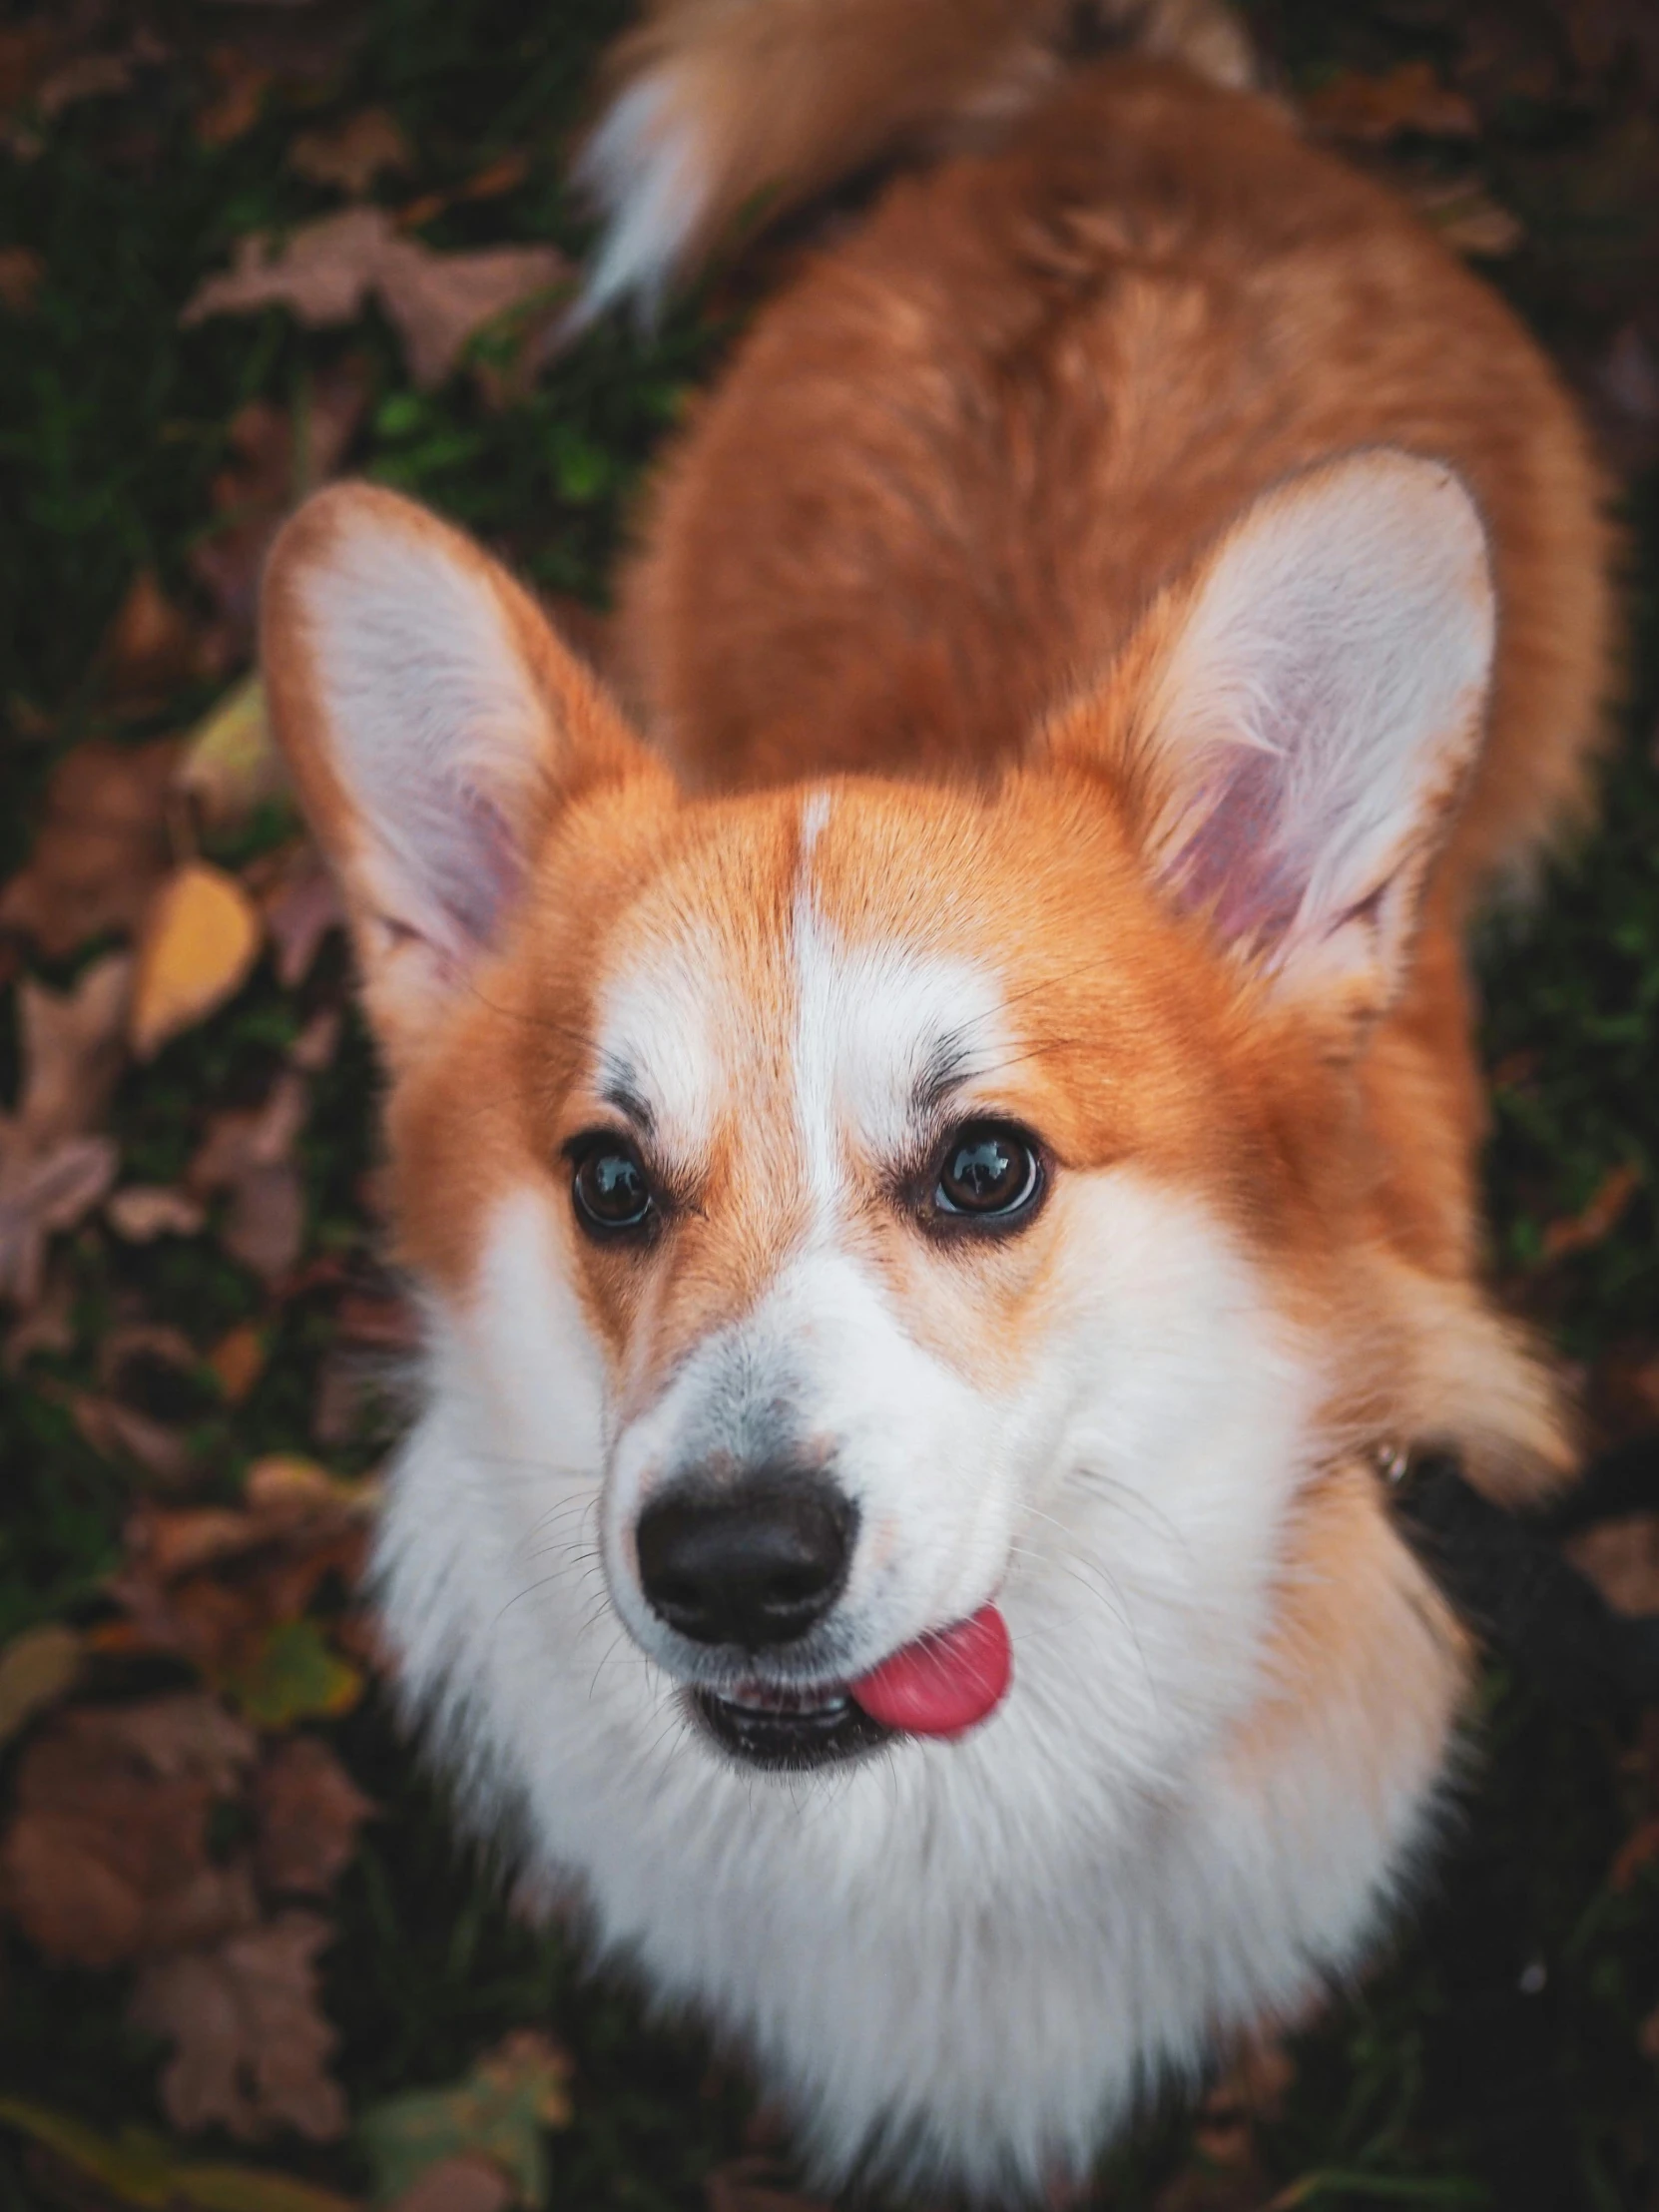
point(877, 1025)
point(660, 1042)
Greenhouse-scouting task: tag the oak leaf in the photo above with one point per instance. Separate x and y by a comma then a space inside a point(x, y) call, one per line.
point(309, 1811)
point(326, 272)
point(139, 1212)
point(139, 2168)
point(105, 1856)
point(200, 942)
point(250, 2043)
point(101, 849)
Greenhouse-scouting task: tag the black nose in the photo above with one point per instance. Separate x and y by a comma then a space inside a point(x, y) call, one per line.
point(754, 1564)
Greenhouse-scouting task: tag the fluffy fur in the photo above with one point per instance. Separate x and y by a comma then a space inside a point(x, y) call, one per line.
point(1121, 609)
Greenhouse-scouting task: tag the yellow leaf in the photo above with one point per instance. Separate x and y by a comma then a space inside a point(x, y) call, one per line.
point(35, 1670)
point(230, 764)
point(200, 938)
point(140, 2168)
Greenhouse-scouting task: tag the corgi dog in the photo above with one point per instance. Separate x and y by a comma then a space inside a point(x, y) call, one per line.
point(939, 1148)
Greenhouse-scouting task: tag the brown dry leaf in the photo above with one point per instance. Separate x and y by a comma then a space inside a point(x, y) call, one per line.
point(301, 903)
point(1596, 1220)
point(251, 2047)
point(151, 646)
point(250, 1154)
point(235, 107)
point(139, 1212)
point(503, 175)
point(211, 1583)
point(106, 1856)
point(1621, 1557)
point(36, 1670)
point(309, 1811)
point(201, 940)
point(463, 2184)
point(327, 271)
point(121, 1431)
point(20, 278)
point(52, 1169)
point(1372, 110)
point(238, 1361)
point(87, 77)
point(353, 154)
point(755, 2184)
point(101, 850)
point(1468, 219)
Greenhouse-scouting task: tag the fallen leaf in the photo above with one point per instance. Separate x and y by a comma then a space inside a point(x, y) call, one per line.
point(88, 77)
point(213, 1583)
point(238, 1361)
point(106, 1856)
point(142, 2169)
point(151, 646)
point(42, 1193)
point(235, 107)
point(301, 903)
point(139, 1212)
point(250, 2043)
point(353, 154)
point(309, 1811)
point(101, 850)
point(201, 940)
point(120, 1432)
point(52, 1173)
point(755, 2184)
point(1621, 1557)
point(500, 2111)
point(1372, 110)
point(250, 1154)
point(292, 1674)
point(20, 278)
point(36, 1670)
point(461, 2184)
point(1597, 1218)
point(231, 765)
point(326, 272)
point(1467, 219)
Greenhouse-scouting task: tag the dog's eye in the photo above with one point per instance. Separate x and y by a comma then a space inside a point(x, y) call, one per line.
point(610, 1188)
point(988, 1170)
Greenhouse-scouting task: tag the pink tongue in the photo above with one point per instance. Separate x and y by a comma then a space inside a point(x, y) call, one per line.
point(943, 1683)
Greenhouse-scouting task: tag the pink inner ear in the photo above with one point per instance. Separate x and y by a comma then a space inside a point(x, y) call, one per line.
point(1234, 866)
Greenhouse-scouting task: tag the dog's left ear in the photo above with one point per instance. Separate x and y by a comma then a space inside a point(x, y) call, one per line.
point(434, 725)
point(1293, 725)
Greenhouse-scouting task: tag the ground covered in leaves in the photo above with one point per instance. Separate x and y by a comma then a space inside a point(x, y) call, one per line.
point(243, 1965)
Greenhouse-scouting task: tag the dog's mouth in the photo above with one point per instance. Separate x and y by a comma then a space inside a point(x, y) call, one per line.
point(943, 1684)
point(789, 1731)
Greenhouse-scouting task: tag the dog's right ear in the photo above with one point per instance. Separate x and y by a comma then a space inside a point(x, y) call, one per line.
point(433, 722)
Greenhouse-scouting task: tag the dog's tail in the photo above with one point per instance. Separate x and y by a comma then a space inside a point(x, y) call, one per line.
point(725, 109)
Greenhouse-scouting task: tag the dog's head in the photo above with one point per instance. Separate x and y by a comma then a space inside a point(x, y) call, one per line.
point(876, 1198)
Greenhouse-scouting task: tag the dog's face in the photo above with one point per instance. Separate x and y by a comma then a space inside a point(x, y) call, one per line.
point(862, 1202)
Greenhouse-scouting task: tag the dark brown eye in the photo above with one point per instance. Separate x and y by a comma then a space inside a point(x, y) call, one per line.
point(610, 1188)
point(987, 1170)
